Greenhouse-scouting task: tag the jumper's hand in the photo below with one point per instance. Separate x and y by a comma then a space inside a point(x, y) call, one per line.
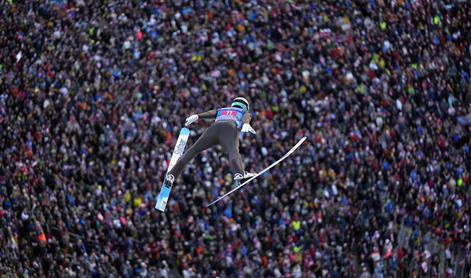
point(248, 128)
point(191, 119)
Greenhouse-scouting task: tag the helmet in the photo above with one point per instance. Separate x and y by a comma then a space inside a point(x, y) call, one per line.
point(241, 102)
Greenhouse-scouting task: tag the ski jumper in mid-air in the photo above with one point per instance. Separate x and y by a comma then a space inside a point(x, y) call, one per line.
point(229, 122)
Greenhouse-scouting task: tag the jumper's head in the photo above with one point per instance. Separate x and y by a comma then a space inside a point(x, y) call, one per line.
point(240, 102)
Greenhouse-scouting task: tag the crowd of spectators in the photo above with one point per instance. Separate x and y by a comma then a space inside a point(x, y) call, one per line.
point(93, 94)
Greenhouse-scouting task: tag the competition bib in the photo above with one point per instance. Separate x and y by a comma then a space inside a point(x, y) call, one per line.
point(230, 114)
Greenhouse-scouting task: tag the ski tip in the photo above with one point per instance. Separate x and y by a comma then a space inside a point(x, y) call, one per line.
point(185, 131)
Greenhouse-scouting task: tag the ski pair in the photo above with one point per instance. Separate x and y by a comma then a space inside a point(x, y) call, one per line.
point(164, 194)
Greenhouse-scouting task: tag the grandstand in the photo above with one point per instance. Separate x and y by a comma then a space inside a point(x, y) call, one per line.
point(94, 93)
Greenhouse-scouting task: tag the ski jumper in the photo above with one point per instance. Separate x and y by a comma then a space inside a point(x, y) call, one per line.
point(224, 131)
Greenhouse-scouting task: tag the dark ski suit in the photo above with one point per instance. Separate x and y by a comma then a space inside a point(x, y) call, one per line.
point(224, 131)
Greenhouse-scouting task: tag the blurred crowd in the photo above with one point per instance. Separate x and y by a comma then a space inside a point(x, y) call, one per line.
point(94, 93)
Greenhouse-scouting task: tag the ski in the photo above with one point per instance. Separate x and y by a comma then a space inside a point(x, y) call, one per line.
point(177, 153)
point(258, 174)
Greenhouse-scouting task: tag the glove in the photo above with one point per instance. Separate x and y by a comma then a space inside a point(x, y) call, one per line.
point(248, 128)
point(191, 119)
